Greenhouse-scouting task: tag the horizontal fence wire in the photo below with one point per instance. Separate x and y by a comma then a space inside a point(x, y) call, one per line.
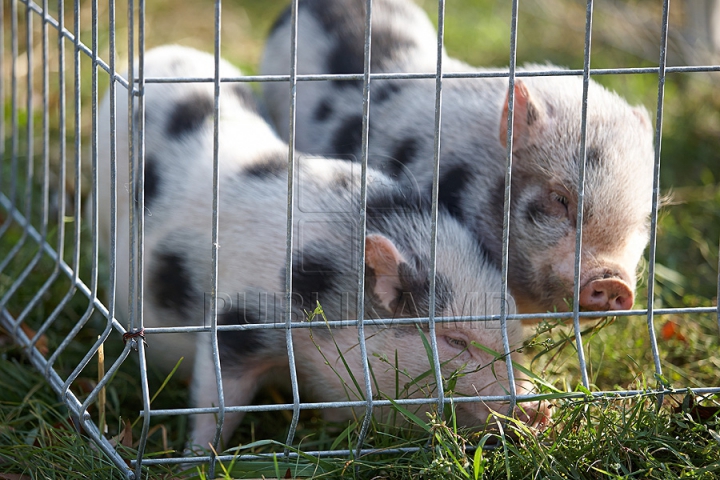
point(432, 76)
point(35, 225)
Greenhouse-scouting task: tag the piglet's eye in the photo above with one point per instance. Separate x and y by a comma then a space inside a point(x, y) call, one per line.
point(560, 198)
point(559, 206)
point(456, 342)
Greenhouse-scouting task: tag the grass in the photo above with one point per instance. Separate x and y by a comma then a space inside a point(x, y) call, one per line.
point(607, 438)
point(600, 438)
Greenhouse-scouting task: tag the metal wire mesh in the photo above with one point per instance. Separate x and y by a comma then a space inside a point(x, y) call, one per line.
point(50, 119)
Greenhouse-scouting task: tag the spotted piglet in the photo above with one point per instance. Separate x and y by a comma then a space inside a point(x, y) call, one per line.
point(176, 164)
point(325, 271)
point(546, 147)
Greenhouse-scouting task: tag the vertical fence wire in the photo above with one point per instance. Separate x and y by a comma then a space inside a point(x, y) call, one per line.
point(30, 126)
point(656, 192)
point(94, 213)
point(62, 138)
point(139, 194)
point(289, 227)
point(45, 180)
point(76, 410)
point(62, 176)
point(45, 139)
point(61, 197)
point(29, 132)
point(13, 114)
point(437, 369)
point(77, 136)
point(93, 203)
point(112, 99)
point(29, 129)
point(77, 201)
point(581, 195)
point(44, 173)
point(131, 128)
point(94, 208)
point(215, 245)
point(506, 205)
point(362, 230)
point(94, 151)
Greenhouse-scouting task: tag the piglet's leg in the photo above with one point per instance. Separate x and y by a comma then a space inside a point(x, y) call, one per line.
point(240, 383)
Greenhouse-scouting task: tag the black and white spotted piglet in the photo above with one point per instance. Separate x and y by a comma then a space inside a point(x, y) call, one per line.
point(177, 160)
point(251, 266)
point(546, 147)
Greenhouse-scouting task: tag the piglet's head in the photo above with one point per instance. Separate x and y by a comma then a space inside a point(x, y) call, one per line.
point(469, 351)
point(399, 287)
point(547, 157)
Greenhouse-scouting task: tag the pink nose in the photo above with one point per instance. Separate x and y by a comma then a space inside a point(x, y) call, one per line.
point(606, 294)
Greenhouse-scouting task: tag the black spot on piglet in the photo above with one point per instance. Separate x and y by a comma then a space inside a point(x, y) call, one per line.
point(404, 154)
point(244, 96)
point(152, 179)
point(347, 138)
point(315, 272)
point(274, 165)
point(238, 343)
point(323, 111)
point(170, 283)
point(189, 114)
point(450, 193)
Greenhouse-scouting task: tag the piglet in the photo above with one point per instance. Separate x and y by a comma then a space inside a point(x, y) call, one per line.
point(327, 210)
point(546, 147)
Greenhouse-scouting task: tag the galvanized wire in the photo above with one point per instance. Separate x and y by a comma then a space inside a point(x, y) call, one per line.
point(137, 191)
point(45, 170)
point(436, 367)
point(94, 210)
point(64, 267)
point(29, 145)
point(13, 114)
point(431, 76)
point(77, 220)
point(71, 401)
point(609, 394)
point(215, 242)
point(46, 183)
point(21, 215)
point(504, 294)
point(656, 193)
point(581, 196)
point(449, 319)
point(112, 100)
point(360, 309)
point(291, 162)
point(62, 112)
point(70, 36)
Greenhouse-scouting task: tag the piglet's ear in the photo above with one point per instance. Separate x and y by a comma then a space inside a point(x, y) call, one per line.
point(527, 121)
point(382, 260)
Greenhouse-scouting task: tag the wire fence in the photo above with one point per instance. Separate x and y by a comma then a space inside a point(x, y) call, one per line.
point(42, 188)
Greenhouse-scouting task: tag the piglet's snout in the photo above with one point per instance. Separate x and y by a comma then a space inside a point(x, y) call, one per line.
point(612, 293)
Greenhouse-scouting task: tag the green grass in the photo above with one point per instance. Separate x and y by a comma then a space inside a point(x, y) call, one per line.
point(608, 438)
point(605, 438)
